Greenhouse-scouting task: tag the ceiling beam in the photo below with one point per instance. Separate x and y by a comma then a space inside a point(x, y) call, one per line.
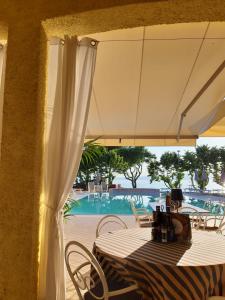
point(139, 137)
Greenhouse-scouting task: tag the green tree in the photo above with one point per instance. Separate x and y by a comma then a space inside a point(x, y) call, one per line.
point(134, 157)
point(171, 169)
point(217, 161)
point(109, 163)
point(203, 166)
point(153, 168)
point(190, 165)
point(198, 166)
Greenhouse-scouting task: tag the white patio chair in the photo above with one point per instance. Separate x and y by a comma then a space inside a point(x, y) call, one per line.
point(142, 216)
point(98, 188)
point(213, 222)
point(104, 187)
point(110, 219)
point(89, 279)
point(91, 187)
point(221, 229)
point(194, 215)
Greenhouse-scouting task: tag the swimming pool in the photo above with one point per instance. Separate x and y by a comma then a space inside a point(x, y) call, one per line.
point(95, 204)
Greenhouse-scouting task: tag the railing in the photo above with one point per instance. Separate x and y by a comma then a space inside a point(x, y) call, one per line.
point(137, 191)
point(216, 192)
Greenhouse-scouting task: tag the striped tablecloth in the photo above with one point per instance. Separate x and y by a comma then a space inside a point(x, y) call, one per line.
point(165, 271)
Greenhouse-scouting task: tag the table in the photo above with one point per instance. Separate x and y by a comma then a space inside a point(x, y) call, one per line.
point(172, 271)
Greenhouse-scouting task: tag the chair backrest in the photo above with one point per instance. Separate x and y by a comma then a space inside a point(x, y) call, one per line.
point(88, 274)
point(221, 228)
point(104, 187)
point(98, 188)
point(91, 186)
point(188, 210)
point(133, 207)
point(193, 213)
point(110, 219)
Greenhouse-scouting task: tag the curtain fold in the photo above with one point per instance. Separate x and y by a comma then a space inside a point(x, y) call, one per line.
point(2, 82)
point(71, 70)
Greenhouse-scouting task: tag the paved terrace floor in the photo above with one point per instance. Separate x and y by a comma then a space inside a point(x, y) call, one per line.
point(82, 229)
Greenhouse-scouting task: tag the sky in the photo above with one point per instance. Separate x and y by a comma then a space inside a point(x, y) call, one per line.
point(158, 151)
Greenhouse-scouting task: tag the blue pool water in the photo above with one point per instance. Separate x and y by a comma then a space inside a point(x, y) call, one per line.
point(120, 205)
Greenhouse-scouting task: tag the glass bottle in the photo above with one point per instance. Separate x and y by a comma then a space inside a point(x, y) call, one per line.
point(164, 237)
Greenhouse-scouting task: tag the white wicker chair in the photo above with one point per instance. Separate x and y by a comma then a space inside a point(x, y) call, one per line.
point(221, 229)
point(213, 222)
point(110, 219)
point(104, 187)
point(89, 279)
point(142, 216)
point(194, 215)
point(91, 187)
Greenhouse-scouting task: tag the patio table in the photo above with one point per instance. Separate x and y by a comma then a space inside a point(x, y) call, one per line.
point(175, 271)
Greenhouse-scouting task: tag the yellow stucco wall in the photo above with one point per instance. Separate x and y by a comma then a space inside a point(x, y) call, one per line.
point(20, 166)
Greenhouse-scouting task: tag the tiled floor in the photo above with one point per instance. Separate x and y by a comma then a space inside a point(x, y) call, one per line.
point(82, 229)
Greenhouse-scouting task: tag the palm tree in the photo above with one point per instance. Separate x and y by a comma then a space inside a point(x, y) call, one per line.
point(217, 161)
point(91, 152)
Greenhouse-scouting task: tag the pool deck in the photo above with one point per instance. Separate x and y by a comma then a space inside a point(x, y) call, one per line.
point(82, 229)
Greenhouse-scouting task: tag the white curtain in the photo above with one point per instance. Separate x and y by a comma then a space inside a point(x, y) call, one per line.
point(71, 69)
point(2, 82)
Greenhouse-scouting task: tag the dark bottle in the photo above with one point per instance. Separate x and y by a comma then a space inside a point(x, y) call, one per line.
point(157, 208)
point(155, 224)
point(154, 231)
point(164, 233)
point(168, 209)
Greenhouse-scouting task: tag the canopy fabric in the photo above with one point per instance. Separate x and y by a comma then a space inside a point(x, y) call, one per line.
point(145, 78)
point(216, 130)
point(2, 81)
point(211, 121)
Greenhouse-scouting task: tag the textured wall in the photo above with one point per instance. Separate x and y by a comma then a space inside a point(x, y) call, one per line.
point(20, 166)
point(3, 31)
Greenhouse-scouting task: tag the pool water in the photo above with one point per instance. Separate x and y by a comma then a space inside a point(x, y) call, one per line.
point(95, 204)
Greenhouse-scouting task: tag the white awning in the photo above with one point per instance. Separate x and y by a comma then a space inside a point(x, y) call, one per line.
point(146, 77)
point(211, 121)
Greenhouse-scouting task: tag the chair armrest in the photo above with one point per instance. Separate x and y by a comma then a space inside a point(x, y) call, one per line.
point(143, 210)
